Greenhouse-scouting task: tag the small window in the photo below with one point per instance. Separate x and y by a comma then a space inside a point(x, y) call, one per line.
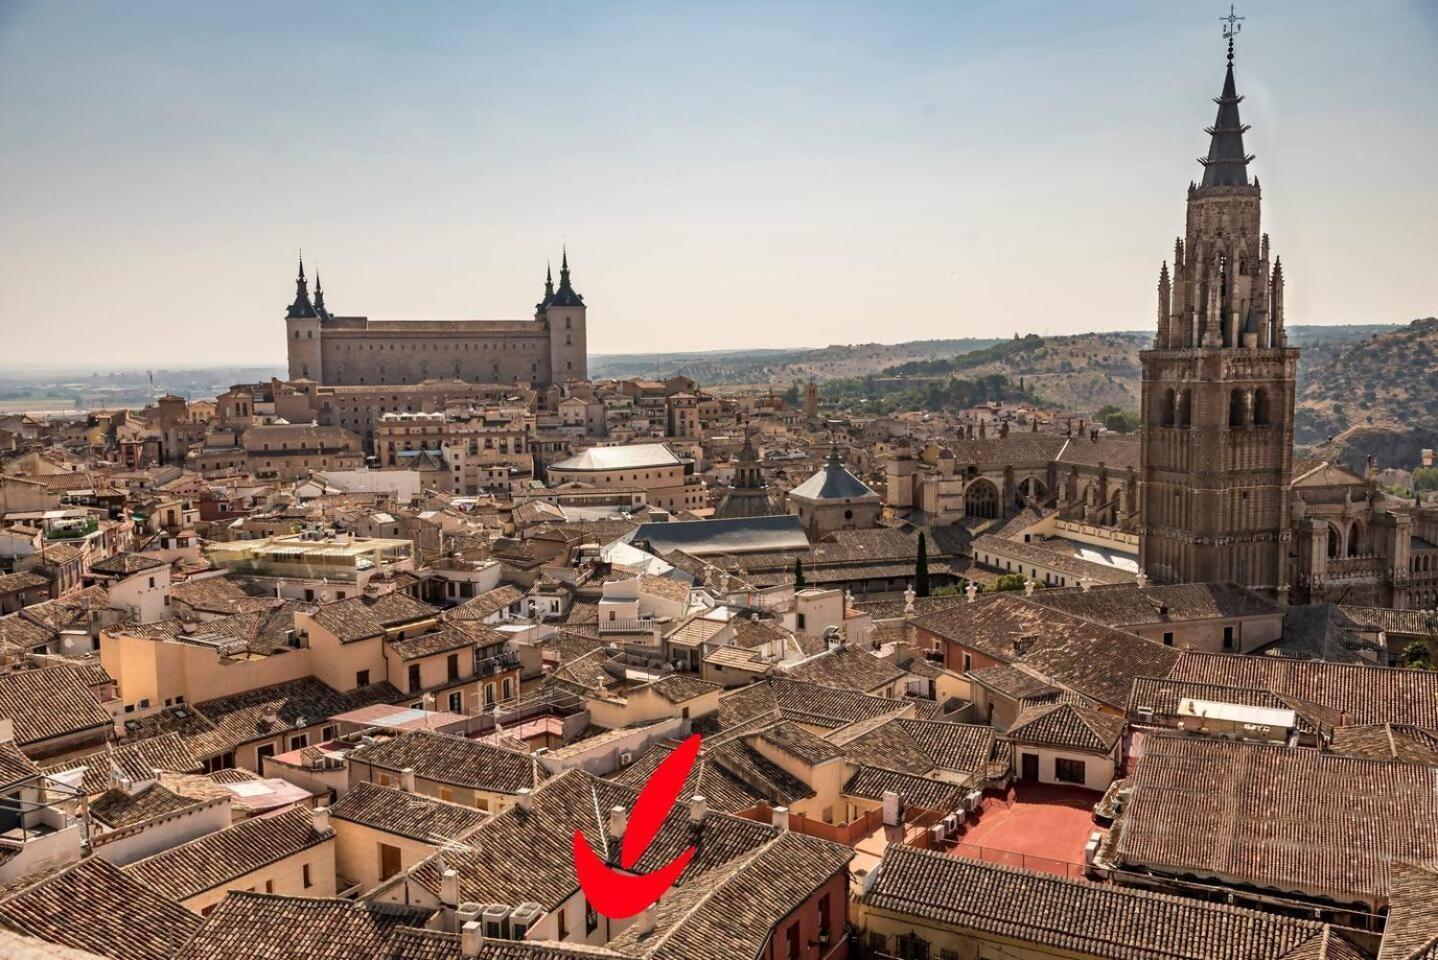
point(299, 741)
point(1228, 638)
point(362, 678)
point(1168, 638)
point(305, 874)
point(1068, 771)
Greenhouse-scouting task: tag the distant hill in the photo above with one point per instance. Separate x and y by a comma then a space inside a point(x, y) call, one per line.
point(1373, 394)
point(780, 367)
point(1080, 372)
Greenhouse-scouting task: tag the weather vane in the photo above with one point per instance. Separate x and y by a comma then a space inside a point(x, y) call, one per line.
point(1232, 24)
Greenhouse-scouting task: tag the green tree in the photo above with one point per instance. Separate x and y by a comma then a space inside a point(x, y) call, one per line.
point(921, 568)
point(1425, 478)
point(1013, 581)
point(1418, 655)
point(799, 582)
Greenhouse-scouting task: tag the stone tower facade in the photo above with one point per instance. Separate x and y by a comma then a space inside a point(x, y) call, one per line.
point(1218, 386)
point(352, 351)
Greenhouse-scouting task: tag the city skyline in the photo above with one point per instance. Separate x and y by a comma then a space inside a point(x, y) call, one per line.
point(722, 169)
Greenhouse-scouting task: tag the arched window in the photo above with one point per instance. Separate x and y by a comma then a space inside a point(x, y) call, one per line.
point(1353, 539)
point(1184, 417)
point(981, 499)
point(1260, 407)
point(1335, 543)
point(1235, 408)
point(1166, 408)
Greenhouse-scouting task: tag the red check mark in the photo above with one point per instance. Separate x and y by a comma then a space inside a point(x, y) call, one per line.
point(619, 895)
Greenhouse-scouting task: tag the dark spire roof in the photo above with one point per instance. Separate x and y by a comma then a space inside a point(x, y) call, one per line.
point(565, 295)
point(302, 307)
point(1226, 164)
point(319, 296)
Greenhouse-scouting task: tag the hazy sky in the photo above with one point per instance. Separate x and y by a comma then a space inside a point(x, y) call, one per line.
point(725, 175)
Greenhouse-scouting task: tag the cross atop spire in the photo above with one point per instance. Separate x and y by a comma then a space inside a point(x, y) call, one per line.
point(1232, 25)
point(302, 264)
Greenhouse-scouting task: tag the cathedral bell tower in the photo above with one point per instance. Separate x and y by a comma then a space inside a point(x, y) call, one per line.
point(1218, 385)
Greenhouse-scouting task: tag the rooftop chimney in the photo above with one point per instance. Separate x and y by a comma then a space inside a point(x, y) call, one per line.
point(644, 923)
point(971, 591)
point(406, 779)
point(618, 820)
point(320, 819)
point(781, 818)
point(698, 808)
point(1141, 579)
point(449, 888)
point(526, 799)
point(470, 936)
point(7, 730)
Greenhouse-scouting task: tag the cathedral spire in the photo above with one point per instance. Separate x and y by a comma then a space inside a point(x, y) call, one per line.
point(319, 294)
point(565, 295)
point(1227, 164)
point(302, 306)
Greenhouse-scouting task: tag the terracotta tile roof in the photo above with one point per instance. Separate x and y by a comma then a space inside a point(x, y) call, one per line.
point(115, 808)
point(1291, 819)
point(575, 800)
point(732, 777)
point(223, 595)
point(1066, 725)
point(486, 604)
point(847, 669)
point(1387, 741)
point(1414, 622)
point(219, 858)
point(241, 717)
point(258, 926)
point(924, 746)
point(800, 743)
point(405, 814)
point(92, 905)
point(681, 687)
point(1411, 932)
point(1013, 680)
point(735, 911)
point(49, 702)
point(137, 760)
point(1368, 694)
point(358, 618)
point(443, 758)
point(14, 765)
point(1126, 603)
point(443, 640)
point(665, 588)
point(1073, 916)
point(923, 792)
point(125, 564)
point(801, 701)
point(1052, 556)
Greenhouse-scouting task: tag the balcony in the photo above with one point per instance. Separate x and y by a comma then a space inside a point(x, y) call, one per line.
point(1347, 569)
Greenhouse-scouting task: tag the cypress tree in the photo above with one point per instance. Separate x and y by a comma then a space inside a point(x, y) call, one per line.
point(799, 583)
point(921, 568)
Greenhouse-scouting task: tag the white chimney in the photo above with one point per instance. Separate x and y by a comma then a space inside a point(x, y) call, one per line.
point(618, 820)
point(644, 923)
point(320, 819)
point(526, 799)
point(406, 779)
point(781, 818)
point(1029, 587)
point(470, 936)
point(971, 591)
point(698, 808)
point(449, 888)
point(1141, 579)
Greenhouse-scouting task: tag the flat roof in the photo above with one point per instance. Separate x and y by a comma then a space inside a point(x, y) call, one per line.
point(1236, 712)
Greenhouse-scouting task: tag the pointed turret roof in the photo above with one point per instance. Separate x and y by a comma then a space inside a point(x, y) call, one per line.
point(320, 297)
point(301, 307)
point(565, 295)
point(1226, 164)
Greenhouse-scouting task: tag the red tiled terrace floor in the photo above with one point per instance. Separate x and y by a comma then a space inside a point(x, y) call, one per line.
point(1045, 829)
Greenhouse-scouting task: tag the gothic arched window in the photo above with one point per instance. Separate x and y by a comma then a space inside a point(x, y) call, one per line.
point(1235, 408)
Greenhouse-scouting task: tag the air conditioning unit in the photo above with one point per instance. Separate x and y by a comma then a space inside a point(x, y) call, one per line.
point(1145, 713)
point(467, 911)
point(496, 921)
point(1090, 849)
point(951, 824)
point(936, 834)
point(525, 916)
point(626, 757)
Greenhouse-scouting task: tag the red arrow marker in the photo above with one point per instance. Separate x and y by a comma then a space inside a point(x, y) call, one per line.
point(619, 895)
